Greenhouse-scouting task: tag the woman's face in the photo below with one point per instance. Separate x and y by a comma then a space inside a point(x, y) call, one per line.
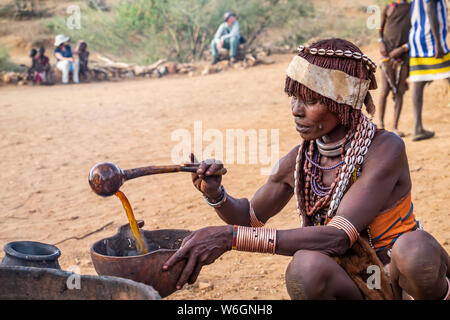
point(312, 118)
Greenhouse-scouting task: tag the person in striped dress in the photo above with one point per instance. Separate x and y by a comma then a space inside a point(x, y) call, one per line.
point(429, 53)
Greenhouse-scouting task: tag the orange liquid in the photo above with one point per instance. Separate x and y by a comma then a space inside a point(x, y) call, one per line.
point(140, 244)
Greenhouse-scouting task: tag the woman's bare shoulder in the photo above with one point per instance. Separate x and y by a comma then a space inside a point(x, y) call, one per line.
point(386, 141)
point(387, 155)
point(284, 172)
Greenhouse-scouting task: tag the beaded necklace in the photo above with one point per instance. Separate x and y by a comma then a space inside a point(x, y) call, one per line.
point(320, 202)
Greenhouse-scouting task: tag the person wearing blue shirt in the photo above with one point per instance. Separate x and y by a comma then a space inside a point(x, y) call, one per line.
point(65, 61)
point(227, 36)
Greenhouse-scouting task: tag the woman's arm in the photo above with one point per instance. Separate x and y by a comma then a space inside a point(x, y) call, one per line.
point(382, 172)
point(385, 164)
point(268, 200)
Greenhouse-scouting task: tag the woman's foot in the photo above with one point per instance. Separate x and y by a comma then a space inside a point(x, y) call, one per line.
point(423, 135)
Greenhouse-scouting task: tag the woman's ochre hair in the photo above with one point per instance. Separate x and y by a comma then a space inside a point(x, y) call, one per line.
point(348, 116)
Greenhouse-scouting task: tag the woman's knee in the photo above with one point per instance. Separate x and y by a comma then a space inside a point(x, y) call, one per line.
point(415, 243)
point(305, 275)
point(419, 260)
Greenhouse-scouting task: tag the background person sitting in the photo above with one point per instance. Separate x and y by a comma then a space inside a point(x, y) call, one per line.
point(32, 70)
point(65, 61)
point(43, 69)
point(227, 36)
point(83, 56)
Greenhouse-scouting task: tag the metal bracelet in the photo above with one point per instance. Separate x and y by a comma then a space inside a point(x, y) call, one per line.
point(223, 198)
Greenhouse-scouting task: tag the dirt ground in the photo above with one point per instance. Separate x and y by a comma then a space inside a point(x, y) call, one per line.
point(50, 138)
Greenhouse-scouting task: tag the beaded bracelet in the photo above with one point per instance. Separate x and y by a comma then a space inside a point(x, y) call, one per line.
point(262, 240)
point(235, 230)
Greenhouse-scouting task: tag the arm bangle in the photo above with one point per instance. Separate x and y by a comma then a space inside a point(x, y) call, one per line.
point(262, 240)
point(223, 199)
point(343, 224)
point(254, 221)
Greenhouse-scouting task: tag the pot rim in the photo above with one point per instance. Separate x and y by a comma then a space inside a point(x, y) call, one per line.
point(93, 252)
point(11, 251)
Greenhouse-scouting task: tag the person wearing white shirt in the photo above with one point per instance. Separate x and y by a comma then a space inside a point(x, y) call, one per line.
point(227, 36)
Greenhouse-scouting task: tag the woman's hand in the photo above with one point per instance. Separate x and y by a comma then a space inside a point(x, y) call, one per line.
point(203, 179)
point(383, 50)
point(397, 52)
point(200, 248)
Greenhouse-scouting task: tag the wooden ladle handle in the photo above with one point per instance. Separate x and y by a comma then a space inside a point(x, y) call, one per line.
point(105, 178)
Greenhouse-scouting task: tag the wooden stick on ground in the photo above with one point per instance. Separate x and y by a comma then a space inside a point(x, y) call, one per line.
point(86, 235)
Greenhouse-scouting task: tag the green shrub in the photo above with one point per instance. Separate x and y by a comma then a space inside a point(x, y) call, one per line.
point(146, 30)
point(323, 25)
point(5, 63)
point(383, 3)
point(7, 10)
point(99, 31)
